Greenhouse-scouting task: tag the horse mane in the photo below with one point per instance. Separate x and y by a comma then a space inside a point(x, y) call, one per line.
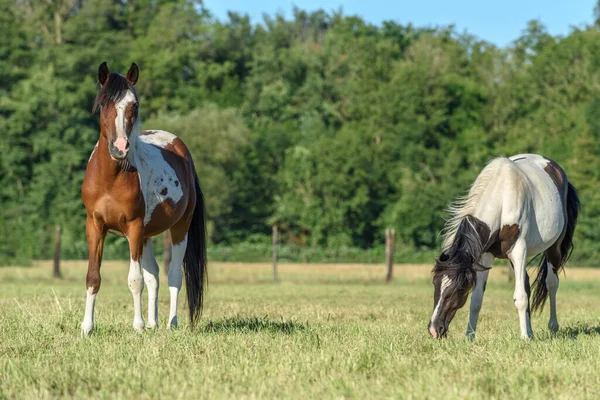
point(113, 91)
point(465, 205)
point(460, 262)
point(465, 236)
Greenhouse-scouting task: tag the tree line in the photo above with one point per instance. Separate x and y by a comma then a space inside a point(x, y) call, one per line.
point(328, 126)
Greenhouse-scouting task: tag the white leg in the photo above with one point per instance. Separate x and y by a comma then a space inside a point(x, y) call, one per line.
point(518, 257)
point(136, 286)
point(150, 271)
point(87, 326)
point(552, 286)
point(477, 296)
point(175, 279)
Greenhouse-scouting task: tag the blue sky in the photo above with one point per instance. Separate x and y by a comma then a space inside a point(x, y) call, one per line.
point(499, 22)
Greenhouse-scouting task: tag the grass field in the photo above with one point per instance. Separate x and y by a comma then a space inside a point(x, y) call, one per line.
point(324, 331)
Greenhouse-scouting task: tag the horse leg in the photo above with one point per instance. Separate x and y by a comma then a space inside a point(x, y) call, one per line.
point(135, 279)
point(150, 272)
point(95, 237)
point(518, 257)
point(477, 296)
point(553, 260)
point(179, 246)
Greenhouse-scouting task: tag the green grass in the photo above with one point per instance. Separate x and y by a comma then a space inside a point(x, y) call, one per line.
point(324, 331)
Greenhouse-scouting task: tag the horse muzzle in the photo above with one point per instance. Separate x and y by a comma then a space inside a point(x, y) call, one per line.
point(437, 332)
point(118, 148)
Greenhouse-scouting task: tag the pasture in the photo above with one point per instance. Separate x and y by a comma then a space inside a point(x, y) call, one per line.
point(323, 331)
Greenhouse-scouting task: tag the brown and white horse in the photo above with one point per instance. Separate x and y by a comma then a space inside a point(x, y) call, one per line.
point(139, 184)
point(518, 207)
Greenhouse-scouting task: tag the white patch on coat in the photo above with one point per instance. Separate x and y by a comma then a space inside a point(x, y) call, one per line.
point(121, 106)
point(135, 281)
point(515, 190)
point(151, 281)
point(159, 138)
point(156, 175)
point(445, 284)
point(87, 326)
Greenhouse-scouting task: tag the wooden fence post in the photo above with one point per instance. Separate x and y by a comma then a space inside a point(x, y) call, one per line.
point(56, 269)
point(390, 235)
point(275, 241)
point(167, 251)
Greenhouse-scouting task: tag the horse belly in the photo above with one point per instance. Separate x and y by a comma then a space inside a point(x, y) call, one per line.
point(164, 216)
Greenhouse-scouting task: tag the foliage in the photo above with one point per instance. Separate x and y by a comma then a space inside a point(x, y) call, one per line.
point(330, 127)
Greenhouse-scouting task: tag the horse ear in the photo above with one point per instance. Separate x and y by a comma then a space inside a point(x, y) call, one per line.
point(103, 74)
point(133, 74)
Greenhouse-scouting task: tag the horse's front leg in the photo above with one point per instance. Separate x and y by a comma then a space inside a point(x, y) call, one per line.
point(477, 296)
point(518, 257)
point(135, 280)
point(95, 233)
point(150, 271)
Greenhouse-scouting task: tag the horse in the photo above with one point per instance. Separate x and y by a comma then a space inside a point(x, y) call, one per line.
point(138, 184)
point(517, 207)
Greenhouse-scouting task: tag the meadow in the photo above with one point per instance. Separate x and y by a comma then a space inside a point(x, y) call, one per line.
point(323, 331)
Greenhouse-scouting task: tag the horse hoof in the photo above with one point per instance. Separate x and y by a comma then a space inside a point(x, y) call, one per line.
point(529, 336)
point(173, 324)
point(138, 325)
point(553, 328)
point(152, 325)
point(86, 330)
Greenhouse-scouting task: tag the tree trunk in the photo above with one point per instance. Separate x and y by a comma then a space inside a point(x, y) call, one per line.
point(57, 27)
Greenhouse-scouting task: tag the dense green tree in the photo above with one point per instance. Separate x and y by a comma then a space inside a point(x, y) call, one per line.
point(328, 126)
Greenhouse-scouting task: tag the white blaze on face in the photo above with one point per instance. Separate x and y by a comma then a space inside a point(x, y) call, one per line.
point(120, 122)
point(445, 284)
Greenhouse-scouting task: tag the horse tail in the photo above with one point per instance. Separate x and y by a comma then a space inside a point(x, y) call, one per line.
point(194, 260)
point(566, 248)
point(573, 207)
point(540, 291)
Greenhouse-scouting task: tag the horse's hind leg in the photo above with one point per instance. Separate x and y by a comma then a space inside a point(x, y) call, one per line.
point(176, 274)
point(477, 296)
point(553, 259)
point(150, 272)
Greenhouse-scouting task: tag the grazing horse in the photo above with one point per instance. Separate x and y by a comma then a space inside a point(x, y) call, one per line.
point(138, 184)
point(518, 207)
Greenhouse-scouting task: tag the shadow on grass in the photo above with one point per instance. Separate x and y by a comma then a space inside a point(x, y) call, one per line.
point(572, 332)
point(247, 325)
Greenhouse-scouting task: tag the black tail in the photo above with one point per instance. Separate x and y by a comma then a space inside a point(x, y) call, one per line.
point(194, 261)
point(566, 247)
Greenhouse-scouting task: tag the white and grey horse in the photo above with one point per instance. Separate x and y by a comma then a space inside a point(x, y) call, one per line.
point(518, 207)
